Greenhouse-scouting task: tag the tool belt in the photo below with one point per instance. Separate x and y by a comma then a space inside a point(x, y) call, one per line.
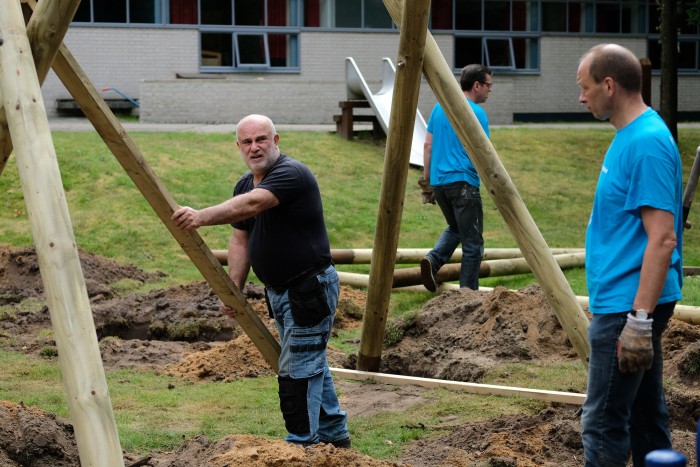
point(307, 297)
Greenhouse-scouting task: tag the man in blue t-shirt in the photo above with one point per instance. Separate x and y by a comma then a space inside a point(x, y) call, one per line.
point(279, 231)
point(633, 264)
point(455, 185)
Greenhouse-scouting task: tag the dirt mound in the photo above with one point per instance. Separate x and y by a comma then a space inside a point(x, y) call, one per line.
point(31, 436)
point(460, 333)
point(254, 451)
point(20, 277)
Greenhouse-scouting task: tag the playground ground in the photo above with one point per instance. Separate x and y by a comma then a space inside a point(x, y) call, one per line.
point(458, 335)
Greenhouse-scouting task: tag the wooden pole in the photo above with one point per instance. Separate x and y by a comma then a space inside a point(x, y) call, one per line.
point(412, 255)
point(46, 29)
point(404, 104)
point(492, 268)
point(122, 146)
point(502, 190)
point(59, 262)
point(475, 388)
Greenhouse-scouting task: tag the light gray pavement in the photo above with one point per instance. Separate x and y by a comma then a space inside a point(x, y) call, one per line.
point(82, 124)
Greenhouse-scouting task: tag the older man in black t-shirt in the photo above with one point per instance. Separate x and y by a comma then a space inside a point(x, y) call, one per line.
point(279, 230)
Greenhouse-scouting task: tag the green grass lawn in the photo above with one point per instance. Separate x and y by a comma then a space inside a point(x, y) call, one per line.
point(555, 172)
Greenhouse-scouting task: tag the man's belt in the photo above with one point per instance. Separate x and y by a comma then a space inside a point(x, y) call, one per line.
point(302, 276)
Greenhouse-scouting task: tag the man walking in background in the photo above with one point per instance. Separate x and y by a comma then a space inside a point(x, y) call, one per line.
point(455, 185)
point(633, 264)
point(279, 230)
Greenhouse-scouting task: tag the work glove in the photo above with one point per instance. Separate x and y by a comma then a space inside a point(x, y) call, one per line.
point(634, 349)
point(426, 194)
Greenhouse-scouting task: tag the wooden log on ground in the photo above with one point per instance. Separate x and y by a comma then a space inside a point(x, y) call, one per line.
point(404, 104)
point(412, 255)
point(59, 263)
point(494, 268)
point(474, 388)
point(122, 146)
point(500, 187)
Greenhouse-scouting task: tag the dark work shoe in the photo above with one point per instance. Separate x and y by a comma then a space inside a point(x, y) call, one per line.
point(342, 444)
point(427, 276)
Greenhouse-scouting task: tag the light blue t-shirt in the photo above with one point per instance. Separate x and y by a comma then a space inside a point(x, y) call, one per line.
point(641, 168)
point(449, 162)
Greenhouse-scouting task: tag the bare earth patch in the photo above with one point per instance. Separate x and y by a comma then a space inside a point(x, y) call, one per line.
point(458, 335)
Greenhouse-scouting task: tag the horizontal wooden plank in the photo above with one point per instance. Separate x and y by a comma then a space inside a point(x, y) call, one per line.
point(491, 389)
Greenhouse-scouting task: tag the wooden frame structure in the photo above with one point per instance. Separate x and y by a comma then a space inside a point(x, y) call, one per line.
point(26, 53)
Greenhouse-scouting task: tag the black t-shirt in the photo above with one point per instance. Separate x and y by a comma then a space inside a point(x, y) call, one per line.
point(290, 238)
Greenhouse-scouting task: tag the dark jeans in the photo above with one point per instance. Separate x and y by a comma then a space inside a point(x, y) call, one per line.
point(623, 411)
point(461, 205)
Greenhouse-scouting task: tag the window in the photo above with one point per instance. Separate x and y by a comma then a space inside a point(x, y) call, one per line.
point(504, 53)
point(250, 35)
point(688, 56)
point(357, 14)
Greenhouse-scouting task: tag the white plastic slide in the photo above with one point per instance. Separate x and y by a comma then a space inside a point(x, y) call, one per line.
point(380, 102)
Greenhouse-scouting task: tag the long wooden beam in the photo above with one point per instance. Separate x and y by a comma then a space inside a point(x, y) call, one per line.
point(404, 104)
point(413, 255)
point(505, 195)
point(475, 388)
point(492, 268)
point(133, 162)
point(59, 262)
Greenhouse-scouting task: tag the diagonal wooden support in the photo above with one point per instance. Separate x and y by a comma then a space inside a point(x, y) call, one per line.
point(124, 149)
point(503, 192)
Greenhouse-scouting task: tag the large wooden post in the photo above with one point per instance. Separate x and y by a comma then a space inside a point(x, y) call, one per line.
point(414, 27)
point(59, 263)
point(502, 190)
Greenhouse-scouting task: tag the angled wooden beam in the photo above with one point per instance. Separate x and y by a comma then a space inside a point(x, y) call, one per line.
point(46, 30)
point(505, 195)
point(124, 149)
point(59, 263)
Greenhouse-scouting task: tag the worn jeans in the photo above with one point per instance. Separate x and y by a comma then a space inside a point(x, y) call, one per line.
point(461, 205)
point(307, 394)
point(623, 411)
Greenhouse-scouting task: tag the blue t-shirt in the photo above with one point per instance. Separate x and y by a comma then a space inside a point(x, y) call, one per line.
point(641, 168)
point(449, 162)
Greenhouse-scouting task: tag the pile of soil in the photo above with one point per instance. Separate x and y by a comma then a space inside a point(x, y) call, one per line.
point(458, 335)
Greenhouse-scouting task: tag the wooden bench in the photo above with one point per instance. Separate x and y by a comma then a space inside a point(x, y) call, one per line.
point(344, 123)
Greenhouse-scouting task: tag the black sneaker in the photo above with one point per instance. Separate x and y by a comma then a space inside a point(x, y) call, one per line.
point(342, 444)
point(427, 276)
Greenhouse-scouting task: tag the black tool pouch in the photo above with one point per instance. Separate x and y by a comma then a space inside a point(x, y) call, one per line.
point(308, 302)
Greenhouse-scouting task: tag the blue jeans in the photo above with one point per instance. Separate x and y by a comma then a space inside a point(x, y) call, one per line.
point(461, 205)
point(623, 411)
point(307, 395)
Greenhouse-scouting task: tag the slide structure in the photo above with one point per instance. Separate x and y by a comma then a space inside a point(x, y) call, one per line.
point(357, 89)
